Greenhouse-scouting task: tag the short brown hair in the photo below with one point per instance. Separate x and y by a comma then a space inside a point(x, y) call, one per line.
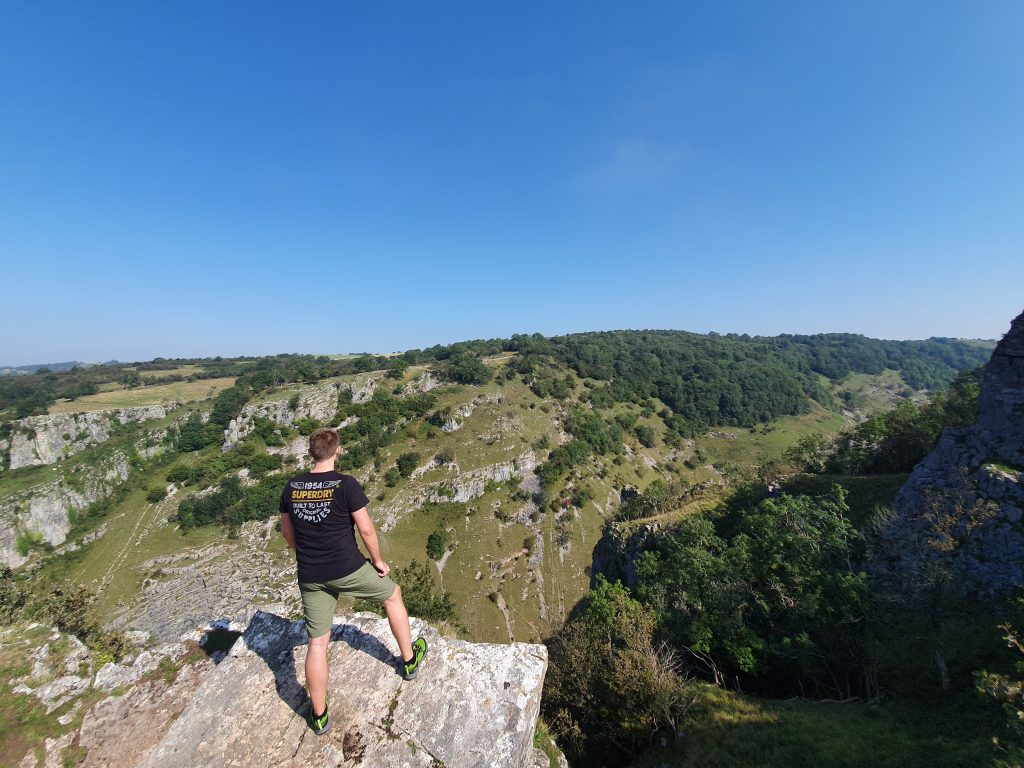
point(323, 443)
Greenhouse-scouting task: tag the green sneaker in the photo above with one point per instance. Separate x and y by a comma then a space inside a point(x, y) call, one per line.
point(419, 653)
point(322, 723)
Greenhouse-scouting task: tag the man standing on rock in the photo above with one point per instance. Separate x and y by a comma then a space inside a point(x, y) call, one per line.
point(320, 512)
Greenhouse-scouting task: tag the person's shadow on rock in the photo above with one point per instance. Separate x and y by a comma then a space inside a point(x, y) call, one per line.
point(274, 639)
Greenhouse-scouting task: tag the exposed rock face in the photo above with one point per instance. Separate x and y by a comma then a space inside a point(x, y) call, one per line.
point(422, 383)
point(976, 474)
point(364, 387)
point(470, 485)
point(461, 487)
point(618, 549)
point(472, 704)
point(40, 440)
point(43, 510)
point(222, 579)
point(123, 730)
point(318, 402)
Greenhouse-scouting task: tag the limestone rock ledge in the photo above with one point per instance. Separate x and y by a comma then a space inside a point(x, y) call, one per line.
point(38, 440)
point(980, 466)
point(472, 704)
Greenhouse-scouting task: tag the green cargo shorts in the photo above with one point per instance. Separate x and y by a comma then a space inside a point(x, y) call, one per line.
point(319, 601)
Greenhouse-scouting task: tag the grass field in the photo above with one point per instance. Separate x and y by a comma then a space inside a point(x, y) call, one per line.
point(181, 391)
point(729, 729)
point(767, 440)
point(182, 370)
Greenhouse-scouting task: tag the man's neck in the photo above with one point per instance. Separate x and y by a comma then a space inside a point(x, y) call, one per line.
point(323, 466)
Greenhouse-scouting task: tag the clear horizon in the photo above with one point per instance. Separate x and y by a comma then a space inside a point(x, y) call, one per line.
point(244, 179)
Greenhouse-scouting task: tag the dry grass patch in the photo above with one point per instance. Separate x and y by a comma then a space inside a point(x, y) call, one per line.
point(181, 391)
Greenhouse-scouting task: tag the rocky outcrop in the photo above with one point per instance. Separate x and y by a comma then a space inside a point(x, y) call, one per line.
point(421, 383)
point(460, 487)
point(970, 488)
point(44, 511)
point(180, 591)
point(318, 402)
point(473, 704)
point(471, 485)
point(38, 440)
point(618, 549)
point(364, 386)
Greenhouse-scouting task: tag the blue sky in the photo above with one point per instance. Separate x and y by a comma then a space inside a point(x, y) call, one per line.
point(183, 179)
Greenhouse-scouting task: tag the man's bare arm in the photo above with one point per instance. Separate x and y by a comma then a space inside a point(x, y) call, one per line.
point(368, 534)
point(287, 530)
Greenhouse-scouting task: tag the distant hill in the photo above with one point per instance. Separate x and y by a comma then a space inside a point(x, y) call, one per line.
point(22, 370)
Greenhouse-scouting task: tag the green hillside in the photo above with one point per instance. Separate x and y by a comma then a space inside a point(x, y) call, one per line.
point(498, 464)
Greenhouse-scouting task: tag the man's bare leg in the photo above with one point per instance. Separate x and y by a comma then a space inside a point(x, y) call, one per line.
point(316, 672)
point(398, 618)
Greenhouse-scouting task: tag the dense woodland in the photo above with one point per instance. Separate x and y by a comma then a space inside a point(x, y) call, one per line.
point(705, 379)
point(779, 594)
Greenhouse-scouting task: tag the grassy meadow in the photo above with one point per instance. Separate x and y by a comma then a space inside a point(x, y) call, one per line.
point(729, 730)
point(155, 394)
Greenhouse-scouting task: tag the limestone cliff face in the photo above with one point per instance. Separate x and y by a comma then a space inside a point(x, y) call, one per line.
point(458, 487)
point(44, 510)
point(472, 705)
point(976, 474)
point(38, 440)
point(319, 402)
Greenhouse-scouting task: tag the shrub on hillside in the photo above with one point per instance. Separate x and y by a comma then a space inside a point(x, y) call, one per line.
point(437, 544)
point(894, 441)
point(307, 425)
point(194, 435)
point(770, 594)
point(228, 405)
point(406, 463)
point(1008, 690)
point(419, 595)
point(463, 369)
point(645, 435)
point(70, 609)
point(610, 688)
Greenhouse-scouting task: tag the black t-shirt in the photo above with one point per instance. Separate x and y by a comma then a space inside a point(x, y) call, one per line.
point(320, 505)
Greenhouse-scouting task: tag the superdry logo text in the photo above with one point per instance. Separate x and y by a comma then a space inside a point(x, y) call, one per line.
point(311, 500)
